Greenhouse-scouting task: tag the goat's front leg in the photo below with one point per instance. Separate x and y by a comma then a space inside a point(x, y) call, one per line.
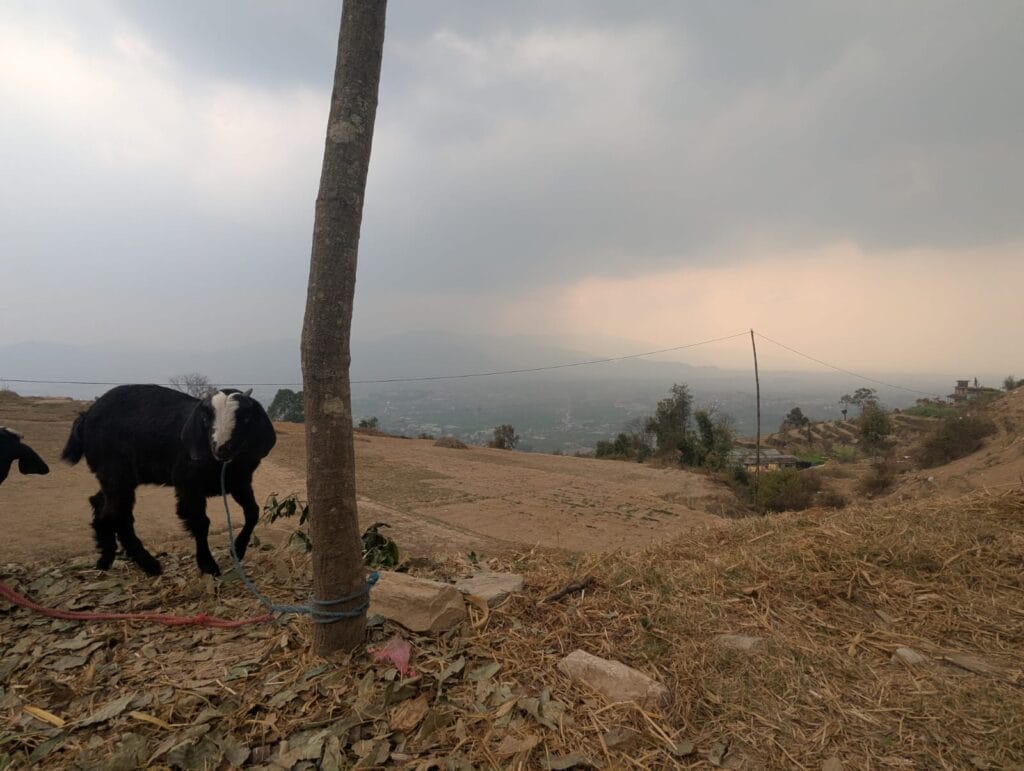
point(245, 498)
point(192, 511)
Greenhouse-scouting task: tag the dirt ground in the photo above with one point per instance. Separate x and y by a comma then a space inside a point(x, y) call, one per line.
point(437, 500)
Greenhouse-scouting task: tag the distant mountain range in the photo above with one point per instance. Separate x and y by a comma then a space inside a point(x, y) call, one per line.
point(585, 401)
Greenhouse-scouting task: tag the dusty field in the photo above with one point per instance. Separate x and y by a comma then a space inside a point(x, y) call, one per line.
point(437, 500)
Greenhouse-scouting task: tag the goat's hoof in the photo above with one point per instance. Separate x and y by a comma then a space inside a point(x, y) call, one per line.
point(240, 550)
point(104, 562)
point(209, 566)
point(150, 565)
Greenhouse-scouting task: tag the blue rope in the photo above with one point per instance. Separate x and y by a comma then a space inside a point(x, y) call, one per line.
point(317, 609)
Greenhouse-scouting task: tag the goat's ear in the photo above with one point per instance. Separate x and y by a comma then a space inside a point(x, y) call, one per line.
point(29, 461)
point(248, 393)
point(266, 436)
point(195, 435)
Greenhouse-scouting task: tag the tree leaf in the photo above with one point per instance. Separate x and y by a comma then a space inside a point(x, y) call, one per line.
point(145, 718)
point(41, 714)
point(44, 749)
point(408, 714)
point(108, 711)
point(513, 745)
point(485, 672)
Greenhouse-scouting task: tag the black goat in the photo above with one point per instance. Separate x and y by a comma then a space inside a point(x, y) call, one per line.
point(150, 435)
point(13, 449)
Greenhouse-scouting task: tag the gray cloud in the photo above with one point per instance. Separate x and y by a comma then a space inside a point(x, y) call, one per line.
point(518, 145)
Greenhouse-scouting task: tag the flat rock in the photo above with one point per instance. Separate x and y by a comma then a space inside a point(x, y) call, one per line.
point(493, 588)
point(418, 604)
point(832, 764)
point(740, 642)
point(613, 679)
point(908, 656)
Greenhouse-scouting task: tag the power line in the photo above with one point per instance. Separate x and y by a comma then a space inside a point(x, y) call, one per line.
point(426, 378)
point(551, 366)
point(845, 371)
point(525, 370)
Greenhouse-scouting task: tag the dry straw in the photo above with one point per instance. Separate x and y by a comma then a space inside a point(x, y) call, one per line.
point(831, 595)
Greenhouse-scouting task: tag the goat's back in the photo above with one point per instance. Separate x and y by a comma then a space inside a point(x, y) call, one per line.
point(140, 424)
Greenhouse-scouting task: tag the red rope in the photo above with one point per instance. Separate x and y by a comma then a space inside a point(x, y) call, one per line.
point(157, 618)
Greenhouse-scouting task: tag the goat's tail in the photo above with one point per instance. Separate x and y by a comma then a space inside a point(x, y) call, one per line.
point(75, 448)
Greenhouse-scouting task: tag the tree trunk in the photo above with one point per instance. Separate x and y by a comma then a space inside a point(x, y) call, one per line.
point(338, 569)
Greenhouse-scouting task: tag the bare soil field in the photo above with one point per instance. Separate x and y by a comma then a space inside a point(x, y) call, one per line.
point(437, 500)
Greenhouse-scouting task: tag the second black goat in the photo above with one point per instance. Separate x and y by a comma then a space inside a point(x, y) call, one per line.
point(150, 435)
point(13, 449)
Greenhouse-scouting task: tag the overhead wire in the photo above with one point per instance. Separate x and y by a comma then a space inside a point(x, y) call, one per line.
point(426, 378)
point(525, 370)
point(851, 373)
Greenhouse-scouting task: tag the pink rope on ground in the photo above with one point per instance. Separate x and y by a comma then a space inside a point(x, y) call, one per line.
point(156, 618)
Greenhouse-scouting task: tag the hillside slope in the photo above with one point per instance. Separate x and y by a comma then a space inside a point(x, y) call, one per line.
point(997, 466)
point(437, 500)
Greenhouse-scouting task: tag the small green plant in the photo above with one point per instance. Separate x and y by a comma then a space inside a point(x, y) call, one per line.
point(369, 423)
point(379, 551)
point(286, 507)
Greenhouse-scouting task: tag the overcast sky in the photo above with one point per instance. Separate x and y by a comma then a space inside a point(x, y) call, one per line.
point(847, 178)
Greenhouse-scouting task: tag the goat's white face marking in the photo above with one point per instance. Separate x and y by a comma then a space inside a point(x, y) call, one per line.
point(6, 430)
point(224, 408)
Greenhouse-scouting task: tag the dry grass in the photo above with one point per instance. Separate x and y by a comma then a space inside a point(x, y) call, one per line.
point(832, 594)
point(451, 443)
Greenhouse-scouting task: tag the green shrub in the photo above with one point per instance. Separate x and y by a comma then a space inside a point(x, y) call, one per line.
point(623, 447)
point(955, 437)
point(879, 479)
point(787, 490)
point(814, 458)
point(845, 453)
point(873, 428)
point(287, 406)
point(505, 437)
point(929, 409)
point(831, 499)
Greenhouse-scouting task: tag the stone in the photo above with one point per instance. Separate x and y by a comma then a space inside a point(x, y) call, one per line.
point(832, 764)
point(418, 604)
point(908, 656)
point(741, 642)
point(614, 680)
point(492, 588)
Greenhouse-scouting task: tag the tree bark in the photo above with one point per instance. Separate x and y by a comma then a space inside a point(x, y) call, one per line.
point(338, 569)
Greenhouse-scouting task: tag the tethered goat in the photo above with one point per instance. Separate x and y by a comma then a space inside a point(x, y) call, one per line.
point(150, 435)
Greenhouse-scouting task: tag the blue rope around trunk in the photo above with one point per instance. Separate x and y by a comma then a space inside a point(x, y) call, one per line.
point(318, 610)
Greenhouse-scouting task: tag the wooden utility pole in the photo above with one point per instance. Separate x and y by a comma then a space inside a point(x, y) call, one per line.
point(757, 446)
point(338, 569)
